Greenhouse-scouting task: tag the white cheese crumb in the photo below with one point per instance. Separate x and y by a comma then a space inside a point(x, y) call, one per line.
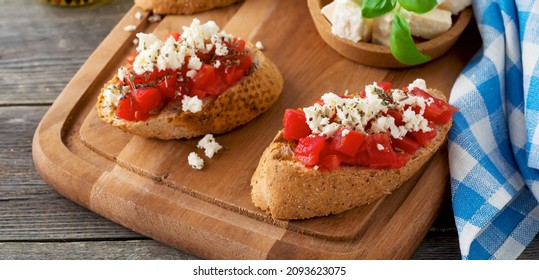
point(379, 147)
point(355, 113)
point(130, 27)
point(135, 41)
point(345, 132)
point(316, 167)
point(191, 73)
point(191, 104)
point(171, 54)
point(138, 15)
point(154, 18)
point(217, 63)
point(195, 161)
point(418, 83)
point(259, 45)
point(210, 146)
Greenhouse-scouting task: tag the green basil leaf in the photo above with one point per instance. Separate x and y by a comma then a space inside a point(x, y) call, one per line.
point(418, 6)
point(375, 8)
point(402, 44)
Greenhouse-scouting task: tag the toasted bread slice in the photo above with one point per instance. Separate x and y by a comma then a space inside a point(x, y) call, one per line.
point(286, 189)
point(245, 100)
point(186, 7)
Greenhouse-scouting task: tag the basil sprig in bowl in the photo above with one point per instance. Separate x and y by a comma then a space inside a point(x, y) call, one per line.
point(404, 51)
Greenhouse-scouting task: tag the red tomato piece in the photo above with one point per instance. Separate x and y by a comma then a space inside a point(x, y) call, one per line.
point(330, 162)
point(147, 99)
point(145, 78)
point(167, 85)
point(125, 109)
point(204, 77)
point(176, 35)
point(386, 86)
point(397, 115)
point(407, 144)
point(399, 160)
point(380, 152)
point(424, 138)
point(131, 58)
point(295, 125)
point(348, 144)
point(309, 148)
point(439, 111)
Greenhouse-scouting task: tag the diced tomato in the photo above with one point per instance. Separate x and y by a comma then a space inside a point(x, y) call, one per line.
point(348, 144)
point(399, 160)
point(145, 78)
point(238, 43)
point(424, 138)
point(330, 162)
point(447, 115)
point(309, 148)
point(204, 77)
point(131, 58)
point(397, 115)
point(147, 99)
point(175, 35)
point(125, 109)
point(295, 125)
point(386, 86)
point(407, 144)
point(440, 112)
point(167, 85)
point(380, 152)
point(235, 72)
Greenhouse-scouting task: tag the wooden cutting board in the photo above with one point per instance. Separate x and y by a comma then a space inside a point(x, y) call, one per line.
point(148, 186)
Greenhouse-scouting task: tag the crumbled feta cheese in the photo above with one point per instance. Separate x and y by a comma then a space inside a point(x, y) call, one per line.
point(191, 104)
point(195, 161)
point(418, 83)
point(191, 73)
point(217, 63)
point(130, 27)
point(138, 15)
point(209, 145)
point(122, 72)
point(379, 147)
point(345, 132)
point(194, 63)
point(355, 113)
point(171, 54)
point(154, 18)
point(259, 45)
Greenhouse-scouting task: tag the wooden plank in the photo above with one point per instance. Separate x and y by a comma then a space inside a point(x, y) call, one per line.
point(29, 208)
point(143, 185)
point(39, 57)
point(91, 250)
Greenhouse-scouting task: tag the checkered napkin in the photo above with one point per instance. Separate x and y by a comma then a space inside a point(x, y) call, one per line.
point(494, 142)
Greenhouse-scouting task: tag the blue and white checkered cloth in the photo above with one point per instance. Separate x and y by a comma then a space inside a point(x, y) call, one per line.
point(494, 142)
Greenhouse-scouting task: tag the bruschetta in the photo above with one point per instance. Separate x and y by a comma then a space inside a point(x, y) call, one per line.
point(351, 150)
point(198, 82)
point(185, 7)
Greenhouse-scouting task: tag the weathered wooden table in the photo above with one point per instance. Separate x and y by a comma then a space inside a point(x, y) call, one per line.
point(41, 48)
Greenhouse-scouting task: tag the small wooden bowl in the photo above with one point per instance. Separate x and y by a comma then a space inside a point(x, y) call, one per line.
point(379, 55)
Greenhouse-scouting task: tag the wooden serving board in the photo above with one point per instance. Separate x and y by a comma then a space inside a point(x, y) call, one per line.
point(148, 186)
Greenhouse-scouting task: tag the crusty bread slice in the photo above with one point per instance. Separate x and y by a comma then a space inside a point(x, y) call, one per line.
point(286, 189)
point(245, 100)
point(186, 7)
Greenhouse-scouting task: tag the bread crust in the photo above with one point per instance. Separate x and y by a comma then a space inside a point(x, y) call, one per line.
point(286, 189)
point(239, 104)
point(185, 7)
